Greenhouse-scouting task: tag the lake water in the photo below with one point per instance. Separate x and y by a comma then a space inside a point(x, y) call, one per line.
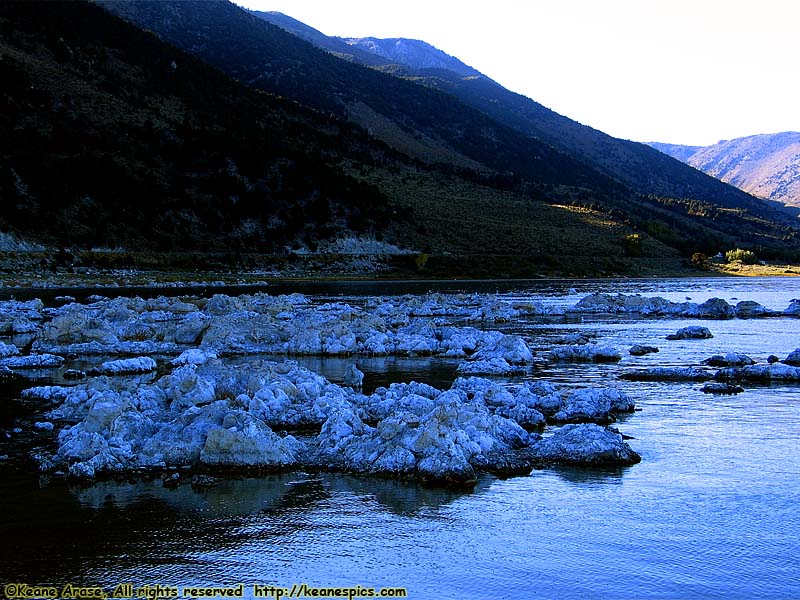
point(712, 511)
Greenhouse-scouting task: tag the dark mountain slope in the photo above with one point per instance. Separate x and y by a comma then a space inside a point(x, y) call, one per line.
point(636, 165)
point(633, 163)
point(765, 165)
point(693, 212)
point(111, 137)
point(422, 122)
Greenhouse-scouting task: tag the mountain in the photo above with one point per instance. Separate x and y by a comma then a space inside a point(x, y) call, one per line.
point(766, 165)
point(112, 138)
point(228, 133)
point(666, 190)
point(635, 164)
point(415, 54)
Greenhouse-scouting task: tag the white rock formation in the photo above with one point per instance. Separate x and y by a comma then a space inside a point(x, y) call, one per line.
point(585, 444)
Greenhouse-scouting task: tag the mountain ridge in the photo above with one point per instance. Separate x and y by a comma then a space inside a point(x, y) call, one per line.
point(112, 138)
point(244, 143)
point(636, 165)
point(765, 165)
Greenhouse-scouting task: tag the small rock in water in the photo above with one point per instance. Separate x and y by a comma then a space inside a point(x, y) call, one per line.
point(639, 350)
point(668, 374)
point(721, 388)
point(585, 444)
point(586, 353)
point(793, 310)
point(172, 480)
point(772, 359)
point(693, 332)
point(793, 358)
point(204, 481)
point(74, 374)
point(731, 359)
point(353, 377)
point(125, 366)
point(748, 309)
point(6, 374)
point(43, 425)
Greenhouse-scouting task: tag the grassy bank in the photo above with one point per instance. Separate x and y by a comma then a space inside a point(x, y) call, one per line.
point(770, 270)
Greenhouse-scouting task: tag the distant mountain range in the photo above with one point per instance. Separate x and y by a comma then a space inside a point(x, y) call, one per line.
point(114, 137)
point(767, 166)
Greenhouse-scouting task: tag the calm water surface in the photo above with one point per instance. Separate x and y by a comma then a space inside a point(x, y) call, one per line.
point(712, 511)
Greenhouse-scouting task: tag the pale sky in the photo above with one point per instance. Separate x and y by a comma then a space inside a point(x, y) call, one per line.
point(680, 71)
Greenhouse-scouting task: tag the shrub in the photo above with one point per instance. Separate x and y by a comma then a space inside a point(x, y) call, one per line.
point(632, 244)
point(701, 261)
point(746, 257)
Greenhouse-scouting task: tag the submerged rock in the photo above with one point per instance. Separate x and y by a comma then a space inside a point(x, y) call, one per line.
point(640, 350)
point(793, 359)
point(668, 374)
point(721, 388)
point(731, 359)
point(74, 374)
point(693, 332)
point(585, 444)
point(586, 353)
point(773, 372)
point(353, 376)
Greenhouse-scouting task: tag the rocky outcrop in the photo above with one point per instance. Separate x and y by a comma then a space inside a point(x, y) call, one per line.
point(793, 359)
point(641, 350)
point(722, 388)
point(693, 332)
point(764, 373)
point(668, 374)
point(125, 366)
point(226, 417)
point(585, 445)
point(586, 353)
point(731, 359)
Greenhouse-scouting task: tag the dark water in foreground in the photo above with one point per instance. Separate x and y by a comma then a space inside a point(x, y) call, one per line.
point(712, 511)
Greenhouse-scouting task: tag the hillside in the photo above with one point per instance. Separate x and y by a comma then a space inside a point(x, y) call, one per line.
point(766, 165)
point(661, 195)
point(112, 138)
point(635, 164)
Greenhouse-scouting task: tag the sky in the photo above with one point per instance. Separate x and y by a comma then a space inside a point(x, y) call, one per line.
point(679, 71)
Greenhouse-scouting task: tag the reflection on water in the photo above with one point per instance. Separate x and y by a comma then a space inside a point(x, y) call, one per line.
point(711, 511)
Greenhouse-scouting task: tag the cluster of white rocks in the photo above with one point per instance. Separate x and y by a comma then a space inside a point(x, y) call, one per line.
point(763, 373)
point(263, 324)
point(205, 414)
point(586, 353)
point(714, 308)
point(734, 367)
point(214, 415)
